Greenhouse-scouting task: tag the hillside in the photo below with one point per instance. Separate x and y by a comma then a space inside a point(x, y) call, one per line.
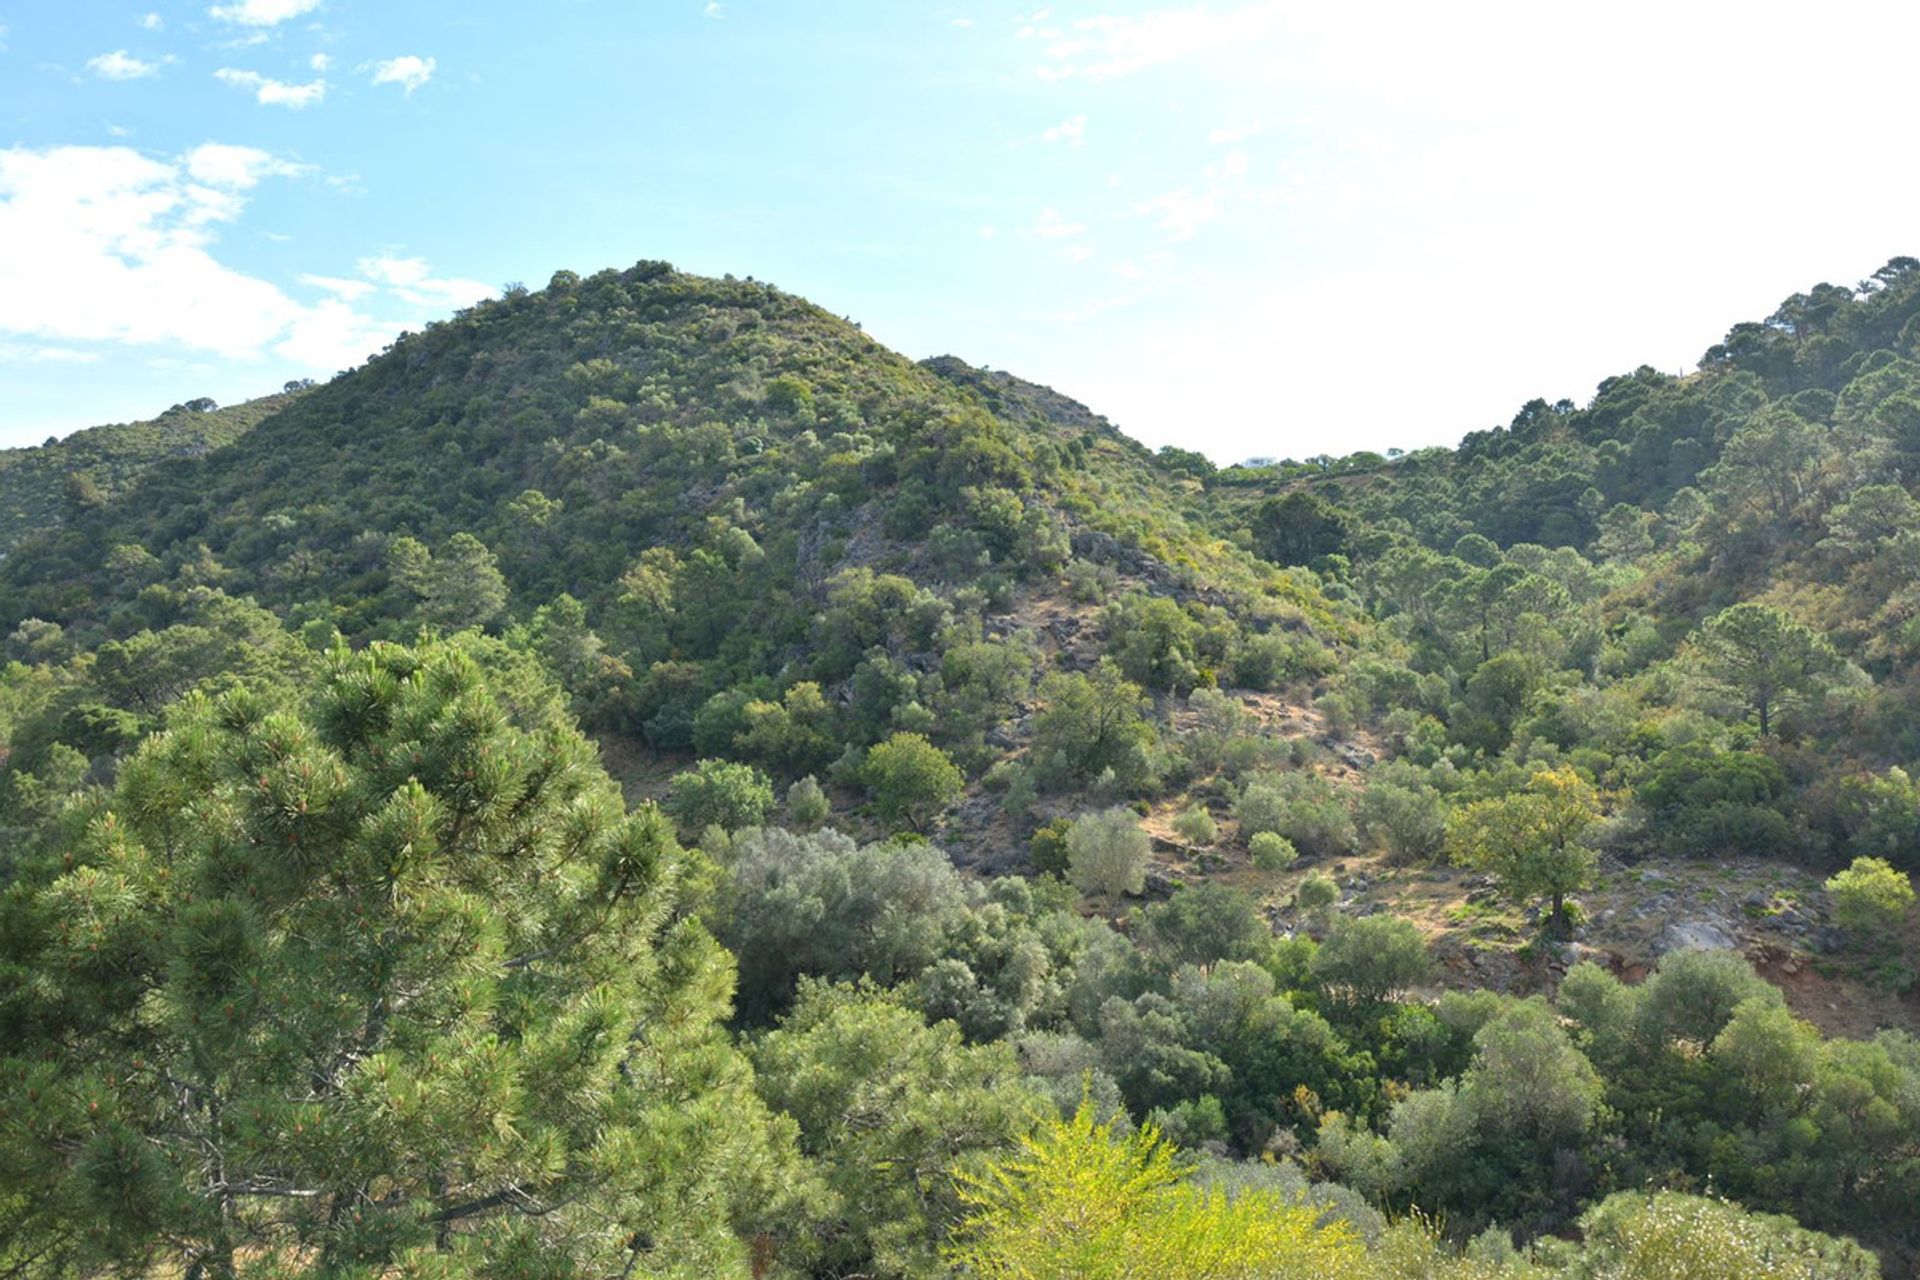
point(1498, 833)
point(45, 484)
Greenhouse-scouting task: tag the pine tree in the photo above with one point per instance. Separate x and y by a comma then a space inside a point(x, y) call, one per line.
point(374, 979)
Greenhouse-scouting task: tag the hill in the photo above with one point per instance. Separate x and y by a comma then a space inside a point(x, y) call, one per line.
point(45, 483)
point(1493, 832)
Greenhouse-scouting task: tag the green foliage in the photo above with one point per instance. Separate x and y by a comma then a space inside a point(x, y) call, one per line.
point(1531, 840)
point(1272, 851)
point(1706, 803)
point(1091, 724)
point(1156, 643)
point(1081, 1200)
point(1371, 958)
point(1671, 1236)
point(1298, 528)
point(1196, 826)
point(1871, 898)
point(886, 1106)
point(1764, 657)
point(1205, 924)
point(1316, 893)
point(746, 540)
point(807, 805)
point(1107, 853)
point(911, 780)
point(1048, 847)
point(362, 976)
point(720, 793)
point(110, 460)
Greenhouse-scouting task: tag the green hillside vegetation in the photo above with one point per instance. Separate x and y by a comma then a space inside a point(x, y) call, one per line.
point(641, 780)
point(47, 485)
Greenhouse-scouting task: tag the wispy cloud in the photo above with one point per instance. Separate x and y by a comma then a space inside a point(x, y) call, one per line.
point(412, 280)
point(1235, 133)
point(120, 65)
point(273, 93)
point(151, 22)
point(1114, 45)
point(262, 13)
point(320, 62)
point(715, 10)
point(1051, 226)
point(235, 168)
point(17, 353)
point(1181, 213)
point(408, 71)
point(1064, 235)
point(1072, 132)
point(347, 290)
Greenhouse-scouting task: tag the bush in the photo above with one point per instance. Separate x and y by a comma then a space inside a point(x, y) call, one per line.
point(1316, 893)
point(1260, 808)
point(1107, 853)
point(1870, 898)
point(719, 792)
point(1303, 807)
point(1369, 959)
point(1196, 826)
point(1409, 822)
point(911, 780)
point(1272, 851)
point(807, 805)
point(1048, 847)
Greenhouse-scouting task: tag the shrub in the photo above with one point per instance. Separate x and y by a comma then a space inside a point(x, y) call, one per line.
point(1196, 826)
point(1107, 853)
point(911, 780)
point(1316, 893)
point(807, 805)
point(1272, 851)
point(1870, 898)
point(722, 793)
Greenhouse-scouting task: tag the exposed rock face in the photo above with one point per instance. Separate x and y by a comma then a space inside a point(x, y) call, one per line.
point(1701, 933)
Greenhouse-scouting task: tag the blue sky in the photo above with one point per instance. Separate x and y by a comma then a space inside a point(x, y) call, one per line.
point(1247, 226)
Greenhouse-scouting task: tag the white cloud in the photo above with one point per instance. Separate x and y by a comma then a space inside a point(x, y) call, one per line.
point(1051, 226)
point(408, 71)
point(219, 164)
point(412, 281)
point(989, 231)
point(1114, 45)
point(1235, 133)
point(320, 62)
point(715, 10)
point(151, 22)
point(961, 22)
point(1183, 212)
point(106, 245)
point(262, 13)
point(273, 93)
point(346, 290)
point(15, 353)
point(1072, 131)
point(119, 65)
